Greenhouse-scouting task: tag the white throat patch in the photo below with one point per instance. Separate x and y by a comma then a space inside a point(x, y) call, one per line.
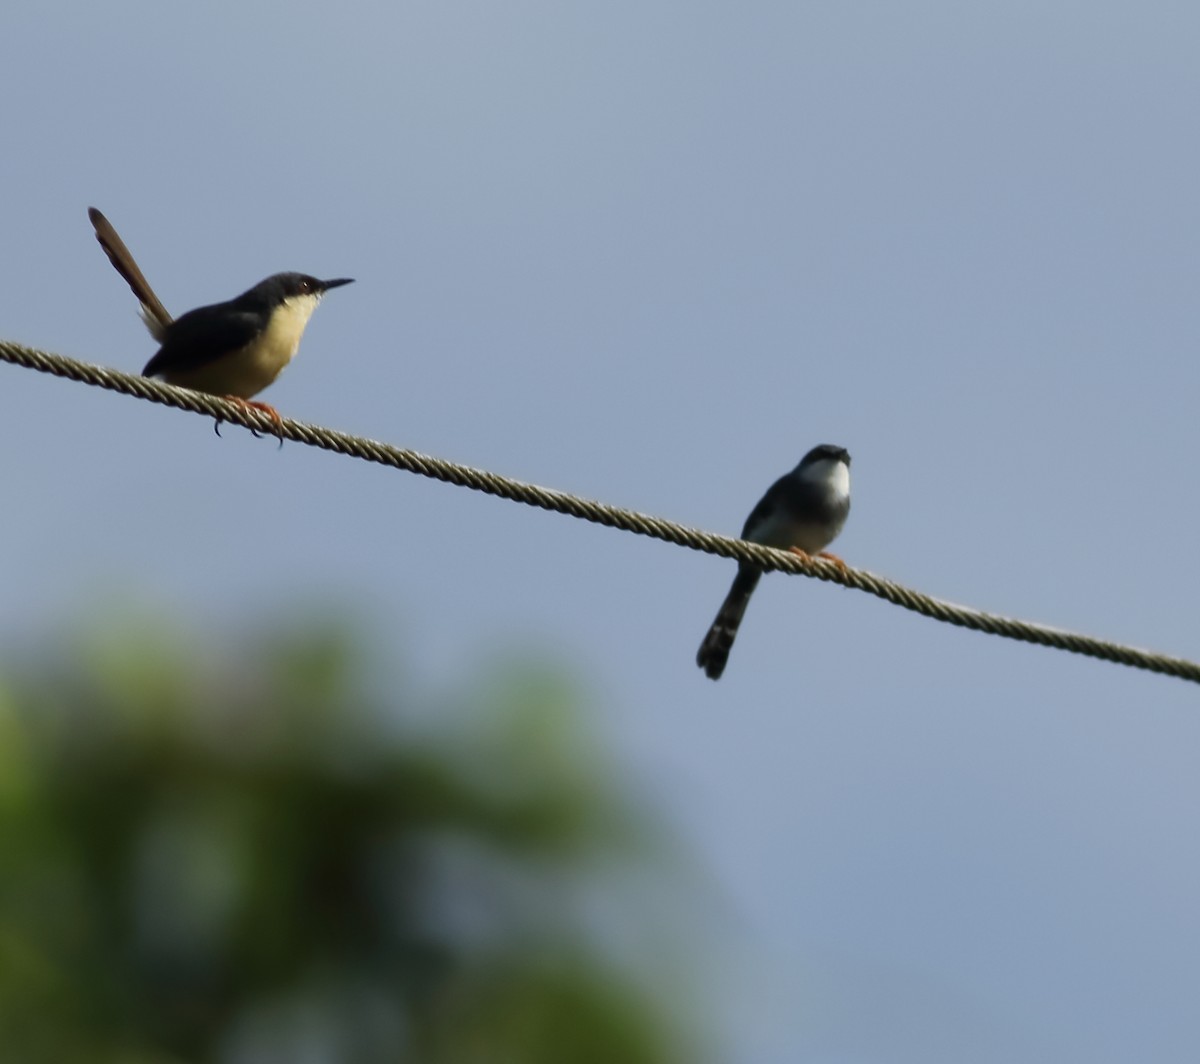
point(831, 472)
point(294, 312)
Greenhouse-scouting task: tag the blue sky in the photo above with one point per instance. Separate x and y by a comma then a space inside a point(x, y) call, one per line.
point(651, 253)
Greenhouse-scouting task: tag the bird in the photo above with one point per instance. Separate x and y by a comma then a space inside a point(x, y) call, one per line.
point(803, 511)
point(233, 349)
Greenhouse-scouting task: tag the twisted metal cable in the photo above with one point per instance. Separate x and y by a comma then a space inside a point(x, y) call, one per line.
point(765, 558)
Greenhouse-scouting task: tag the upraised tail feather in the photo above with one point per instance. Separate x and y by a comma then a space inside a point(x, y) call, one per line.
point(714, 651)
point(154, 314)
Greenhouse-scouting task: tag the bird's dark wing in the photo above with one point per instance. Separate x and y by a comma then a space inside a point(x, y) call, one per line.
point(202, 336)
point(790, 504)
point(766, 506)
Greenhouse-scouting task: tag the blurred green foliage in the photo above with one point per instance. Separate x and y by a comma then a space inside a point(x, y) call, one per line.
point(247, 857)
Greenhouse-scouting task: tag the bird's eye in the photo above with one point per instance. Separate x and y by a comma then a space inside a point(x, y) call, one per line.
point(306, 285)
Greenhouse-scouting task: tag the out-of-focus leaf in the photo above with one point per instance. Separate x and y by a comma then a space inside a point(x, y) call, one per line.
point(226, 856)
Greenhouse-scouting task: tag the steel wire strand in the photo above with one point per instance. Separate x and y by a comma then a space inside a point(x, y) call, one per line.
point(597, 512)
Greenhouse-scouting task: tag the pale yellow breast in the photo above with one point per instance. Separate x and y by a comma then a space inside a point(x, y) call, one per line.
point(250, 369)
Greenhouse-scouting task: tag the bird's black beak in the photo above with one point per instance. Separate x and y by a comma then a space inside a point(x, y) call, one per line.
point(327, 285)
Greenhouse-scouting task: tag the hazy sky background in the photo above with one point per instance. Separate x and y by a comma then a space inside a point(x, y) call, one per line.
point(651, 253)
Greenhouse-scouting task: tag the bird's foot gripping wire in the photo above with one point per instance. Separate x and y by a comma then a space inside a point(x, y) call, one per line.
point(252, 404)
point(825, 555)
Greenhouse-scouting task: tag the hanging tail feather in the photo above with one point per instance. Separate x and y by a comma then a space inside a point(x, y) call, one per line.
point(714, 651)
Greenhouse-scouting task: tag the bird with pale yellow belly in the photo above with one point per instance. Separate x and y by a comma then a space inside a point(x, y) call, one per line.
point(233, 349)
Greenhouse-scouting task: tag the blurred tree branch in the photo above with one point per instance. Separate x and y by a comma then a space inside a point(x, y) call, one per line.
point(247, 858)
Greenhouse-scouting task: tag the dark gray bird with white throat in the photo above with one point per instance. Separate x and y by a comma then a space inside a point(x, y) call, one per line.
point(233, 349)
point(803, 511)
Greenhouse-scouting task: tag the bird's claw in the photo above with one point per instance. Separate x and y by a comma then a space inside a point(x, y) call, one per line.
point(262, 408)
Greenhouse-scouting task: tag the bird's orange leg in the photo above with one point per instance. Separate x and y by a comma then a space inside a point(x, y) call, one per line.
point(822, 554)
point(835, 559)
point(253, 404)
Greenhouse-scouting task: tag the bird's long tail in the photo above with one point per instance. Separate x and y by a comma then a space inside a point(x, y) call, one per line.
point(154, 314)
point(714, 651)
